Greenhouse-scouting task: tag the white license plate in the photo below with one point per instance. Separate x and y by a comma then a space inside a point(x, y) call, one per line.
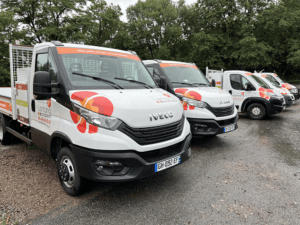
point(167, 163)
point(229, 128)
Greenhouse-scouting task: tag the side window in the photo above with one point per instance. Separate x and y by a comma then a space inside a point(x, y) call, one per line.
point(150, 69)
point(235, 81)
point(52, 69)
point(244, 82)
point(41, 62)
point(156, 71)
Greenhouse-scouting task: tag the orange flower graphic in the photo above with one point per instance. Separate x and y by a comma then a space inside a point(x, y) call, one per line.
point(189, 94)
point(97, 104)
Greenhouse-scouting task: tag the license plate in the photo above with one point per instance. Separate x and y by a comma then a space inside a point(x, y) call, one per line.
point(167, 163)
point(229, 128)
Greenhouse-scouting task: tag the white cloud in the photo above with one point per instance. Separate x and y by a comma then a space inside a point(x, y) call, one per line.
point(124, 4)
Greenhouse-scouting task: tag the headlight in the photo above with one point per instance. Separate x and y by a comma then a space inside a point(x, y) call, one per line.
point(97, 119)
point(294, 90)
point(193, 102)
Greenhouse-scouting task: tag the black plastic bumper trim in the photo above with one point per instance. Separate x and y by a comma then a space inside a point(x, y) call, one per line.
point(139, 168)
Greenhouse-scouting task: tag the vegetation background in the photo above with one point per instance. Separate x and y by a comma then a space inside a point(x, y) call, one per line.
point(229, 34)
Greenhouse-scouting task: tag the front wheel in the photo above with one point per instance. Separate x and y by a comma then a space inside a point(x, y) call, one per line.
point(256, 111)
point(68, 172)
point(5, 137)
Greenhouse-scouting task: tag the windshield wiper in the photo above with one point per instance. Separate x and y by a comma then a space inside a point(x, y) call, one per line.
point(200, 84)
point(100, 79)
point(135, 81)
point(183, 83)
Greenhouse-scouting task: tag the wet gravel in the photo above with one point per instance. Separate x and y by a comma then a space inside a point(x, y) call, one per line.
point(249, 176)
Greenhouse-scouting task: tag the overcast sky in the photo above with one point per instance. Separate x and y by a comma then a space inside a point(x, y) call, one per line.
point(125, 3)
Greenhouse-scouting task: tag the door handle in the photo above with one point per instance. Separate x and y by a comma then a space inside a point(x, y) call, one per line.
point(230, 92)
point(33, 105)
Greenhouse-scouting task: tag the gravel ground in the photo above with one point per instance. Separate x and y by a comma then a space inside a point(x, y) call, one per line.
point(249, 176)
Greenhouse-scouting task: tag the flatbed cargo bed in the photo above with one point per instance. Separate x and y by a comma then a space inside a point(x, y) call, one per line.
point(5, 101)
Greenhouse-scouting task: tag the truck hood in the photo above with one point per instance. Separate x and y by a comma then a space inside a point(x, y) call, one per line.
point(134, 107)
point(213, 96)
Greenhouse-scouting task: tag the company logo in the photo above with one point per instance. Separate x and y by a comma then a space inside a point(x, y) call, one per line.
point(224, 102)
point(156, 116)
point(189, 94)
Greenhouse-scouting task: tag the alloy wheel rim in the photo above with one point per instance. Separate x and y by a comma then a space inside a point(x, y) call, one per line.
point(66, 162)
point(256, 111)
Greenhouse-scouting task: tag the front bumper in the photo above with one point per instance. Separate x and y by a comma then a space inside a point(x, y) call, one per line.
point(202, 127)
point(137, 165)
point(288, 100)
point(296, 95)
point(276, 105)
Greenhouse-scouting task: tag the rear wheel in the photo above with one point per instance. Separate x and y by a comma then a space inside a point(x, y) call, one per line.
point(5, 137)
point(68, 172)
point(256, 111)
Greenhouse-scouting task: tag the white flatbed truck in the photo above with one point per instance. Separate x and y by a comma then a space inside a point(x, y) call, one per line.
point(96, 111)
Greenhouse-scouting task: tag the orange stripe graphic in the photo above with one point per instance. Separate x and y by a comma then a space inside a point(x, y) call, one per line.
point(177, 65)
point(65, 50)
point(21, 86)
point(5, 105)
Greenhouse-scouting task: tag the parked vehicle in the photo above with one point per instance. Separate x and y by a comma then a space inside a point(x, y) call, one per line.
point(209, 110)
point(288, 97)
point(250, 94)
point(294, 90)
point(94, 110)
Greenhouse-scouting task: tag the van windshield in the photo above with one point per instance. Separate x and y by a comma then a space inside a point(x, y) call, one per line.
point(259, 81)
point(184, 73)
point(271, 81)
point(107, 65)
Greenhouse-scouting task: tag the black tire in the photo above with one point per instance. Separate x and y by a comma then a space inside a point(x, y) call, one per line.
point(68, 175)
point(256, 111)
point(5, 137)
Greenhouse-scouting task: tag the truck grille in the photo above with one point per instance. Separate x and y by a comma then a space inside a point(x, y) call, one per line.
point(222, 111)
point(161, 154)
point(152, 135)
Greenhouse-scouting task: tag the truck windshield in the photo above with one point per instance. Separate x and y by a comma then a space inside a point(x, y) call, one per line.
point(259, 81)
point(184, 73)
point(107, 65)
point(271, 81)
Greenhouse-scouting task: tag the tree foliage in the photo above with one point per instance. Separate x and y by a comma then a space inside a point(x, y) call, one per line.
point(229, 34)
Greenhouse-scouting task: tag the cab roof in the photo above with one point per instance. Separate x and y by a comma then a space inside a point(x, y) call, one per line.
point(153, 61)
point(68, 45)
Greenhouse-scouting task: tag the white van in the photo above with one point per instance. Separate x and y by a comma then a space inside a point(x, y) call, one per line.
point(288, 97)
point(250, 94)
point(209, 110)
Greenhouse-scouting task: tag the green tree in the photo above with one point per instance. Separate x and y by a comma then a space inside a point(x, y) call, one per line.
point(153, 24)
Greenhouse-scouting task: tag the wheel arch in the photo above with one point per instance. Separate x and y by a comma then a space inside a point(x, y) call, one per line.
point(250, 101)
point(58, 141)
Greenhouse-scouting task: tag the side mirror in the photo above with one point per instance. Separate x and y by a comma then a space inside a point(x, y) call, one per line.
point(42, 86)
point(161, 81)
point(213, 82)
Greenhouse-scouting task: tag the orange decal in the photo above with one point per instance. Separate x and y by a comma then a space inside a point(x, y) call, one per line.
point(21, 87)
point(263, 91)
point(5, 105)
point(243, 93)
point(218, 82)
point(249, 74)
point(177, 65)
point(282, 91)
point(287, 86)
point(90, 101)
point(275, 75)
point(49, 103)
point(189, 94)
point(263, 75)
point(167, 95)
point(66, 50)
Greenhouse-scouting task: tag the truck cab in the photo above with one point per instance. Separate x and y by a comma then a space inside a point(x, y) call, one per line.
point(96, 111)
point(209, 110)
point(250, 94)
point(288, 97)
point(294, 90)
